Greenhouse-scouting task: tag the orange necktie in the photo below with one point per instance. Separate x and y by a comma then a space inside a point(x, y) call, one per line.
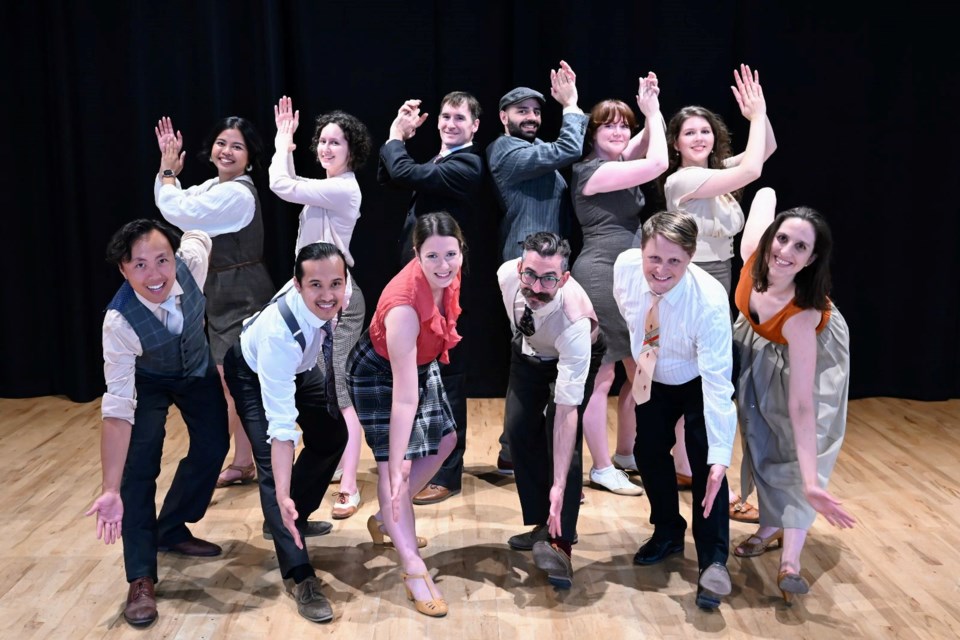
point(647, 361)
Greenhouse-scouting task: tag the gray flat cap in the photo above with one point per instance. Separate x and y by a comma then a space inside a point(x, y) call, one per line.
point(519, 95)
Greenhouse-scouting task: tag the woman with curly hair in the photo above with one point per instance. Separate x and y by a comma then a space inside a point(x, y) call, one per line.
point(331, 208)
point(705, 180)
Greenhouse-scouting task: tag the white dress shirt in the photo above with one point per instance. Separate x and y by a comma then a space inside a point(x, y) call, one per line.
point(695, 340)
point(212, 206)
point(556, 337)
point(121, 346)
point(276, 357)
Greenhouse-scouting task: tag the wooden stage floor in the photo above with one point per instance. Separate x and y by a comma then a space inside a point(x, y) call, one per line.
point(896, 575)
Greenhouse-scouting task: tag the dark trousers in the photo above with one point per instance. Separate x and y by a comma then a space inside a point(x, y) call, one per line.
point(656, 420)
point(530, 434)
point(454, 377)
point(204, 410)
point(324, 439)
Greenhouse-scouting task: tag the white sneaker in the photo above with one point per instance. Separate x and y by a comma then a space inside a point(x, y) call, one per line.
point(612, 479)
point(627, 463)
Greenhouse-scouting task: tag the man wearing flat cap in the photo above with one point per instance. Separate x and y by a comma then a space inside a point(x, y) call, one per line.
point(531, 191)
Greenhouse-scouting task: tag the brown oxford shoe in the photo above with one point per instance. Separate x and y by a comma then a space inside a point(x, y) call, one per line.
point(433, 493)
point(141, 608)
point(193, 547)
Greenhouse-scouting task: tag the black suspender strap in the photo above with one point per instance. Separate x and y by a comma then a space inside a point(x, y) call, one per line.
point(292, 323)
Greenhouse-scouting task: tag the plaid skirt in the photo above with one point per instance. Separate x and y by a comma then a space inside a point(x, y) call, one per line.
point(370, 380)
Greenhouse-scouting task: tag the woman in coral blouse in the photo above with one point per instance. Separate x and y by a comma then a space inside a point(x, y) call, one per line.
point(394, 378)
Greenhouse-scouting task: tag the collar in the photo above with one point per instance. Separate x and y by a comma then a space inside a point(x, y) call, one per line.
point(153, 306)
point(671, 297)
point(299, 308)
point(445, 152)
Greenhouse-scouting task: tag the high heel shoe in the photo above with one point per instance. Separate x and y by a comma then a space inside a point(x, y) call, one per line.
point(382, 538)
point(436, 607)
point(748, 549)
point(791, 583)
point(247, 475)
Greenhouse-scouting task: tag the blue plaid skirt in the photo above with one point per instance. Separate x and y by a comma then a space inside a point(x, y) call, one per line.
point(370, 380)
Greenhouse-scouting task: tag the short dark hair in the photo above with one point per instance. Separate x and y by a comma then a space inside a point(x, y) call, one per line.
point(317, 251)
point(457, 98)
point(676, 226)
point(813, 282)
point(548, 244)
point(356, 133)
point(250, 137)
point(122, 241)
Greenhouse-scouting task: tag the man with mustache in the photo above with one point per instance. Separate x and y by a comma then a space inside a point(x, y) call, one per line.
point(556, 351)
point(525, 171)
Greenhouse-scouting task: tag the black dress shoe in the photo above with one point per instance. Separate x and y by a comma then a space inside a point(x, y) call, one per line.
point(714, 583)
point(653, 551)
point(192, 547)
point(540, 533)
point(312, 529)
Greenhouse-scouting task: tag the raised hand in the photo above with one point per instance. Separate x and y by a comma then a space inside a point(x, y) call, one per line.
point(748, 93)
point(286, 118)
point(648, 95)
point(563, 85)
point(408, 120)
point(165, 133)
point(109, 510)
point(556, 506)
point(714, 482)
point(288, 513)
point(172, 158)
point(829, 507)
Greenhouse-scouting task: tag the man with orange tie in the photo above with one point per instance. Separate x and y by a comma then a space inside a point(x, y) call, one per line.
point(680, 336)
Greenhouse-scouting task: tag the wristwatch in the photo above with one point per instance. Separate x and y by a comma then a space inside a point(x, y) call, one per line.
point(168, 173)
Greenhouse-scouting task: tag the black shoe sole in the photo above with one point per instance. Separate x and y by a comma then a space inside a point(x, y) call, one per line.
point(643, 562)
point(708, 601)
point(141, 624)
point(556, 569)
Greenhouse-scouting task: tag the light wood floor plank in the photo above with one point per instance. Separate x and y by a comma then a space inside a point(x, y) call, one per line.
point(896, 575)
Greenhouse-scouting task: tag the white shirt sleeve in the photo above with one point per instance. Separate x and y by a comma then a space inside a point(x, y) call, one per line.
point(573, 366)
point(334, 194)
point(278, 356)
point(222, 208)
point(714, 344)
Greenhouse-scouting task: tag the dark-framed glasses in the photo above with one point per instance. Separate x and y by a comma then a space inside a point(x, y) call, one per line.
point(529, 278)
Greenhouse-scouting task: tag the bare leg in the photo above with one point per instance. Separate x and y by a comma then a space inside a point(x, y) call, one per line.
point(680, 461)
point(626, 414)
point(595, 418)
point(351, 455)
point(242, 451)
point(793, 540)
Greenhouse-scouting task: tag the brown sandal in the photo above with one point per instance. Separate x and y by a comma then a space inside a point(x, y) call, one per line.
point(247, 475)
point(744, 512)
point(750, 549)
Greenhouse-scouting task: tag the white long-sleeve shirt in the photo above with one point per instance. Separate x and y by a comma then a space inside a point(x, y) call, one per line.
point(213, 207)
point(695, 340)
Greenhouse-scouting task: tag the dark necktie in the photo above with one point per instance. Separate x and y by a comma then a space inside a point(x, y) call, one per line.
point(526, 325)
point(329, 382)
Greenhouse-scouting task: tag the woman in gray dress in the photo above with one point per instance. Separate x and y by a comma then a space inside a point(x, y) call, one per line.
point(607, 200)
point(794, 350)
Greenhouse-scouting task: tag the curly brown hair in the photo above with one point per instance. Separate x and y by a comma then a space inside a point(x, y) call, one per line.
point(721, 141)
point(356, 133)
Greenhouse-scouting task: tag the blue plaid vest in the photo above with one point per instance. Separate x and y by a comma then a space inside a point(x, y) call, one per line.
point(165, 354)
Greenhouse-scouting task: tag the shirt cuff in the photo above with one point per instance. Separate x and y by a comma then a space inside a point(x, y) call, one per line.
point(568, 393)
point(112, 406)
point(276, 432)
point(720, 455)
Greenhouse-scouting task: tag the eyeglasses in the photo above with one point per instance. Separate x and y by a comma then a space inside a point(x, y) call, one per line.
point(529, 278)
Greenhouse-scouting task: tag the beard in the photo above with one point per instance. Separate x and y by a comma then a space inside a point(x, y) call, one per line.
point(530, 294)
point(515, 130)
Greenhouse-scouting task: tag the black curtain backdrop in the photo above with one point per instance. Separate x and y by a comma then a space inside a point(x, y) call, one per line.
point(863, 104)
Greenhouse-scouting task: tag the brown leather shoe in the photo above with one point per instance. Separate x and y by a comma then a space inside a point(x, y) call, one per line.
point(684, 483)
point(141, 608)
point(193, 547)
point(744, 512)
point(433, 493)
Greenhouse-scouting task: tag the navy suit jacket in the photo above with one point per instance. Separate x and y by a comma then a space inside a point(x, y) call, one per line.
point(451, 184)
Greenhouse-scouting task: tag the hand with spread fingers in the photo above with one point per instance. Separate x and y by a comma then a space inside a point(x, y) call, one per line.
point(109, 510)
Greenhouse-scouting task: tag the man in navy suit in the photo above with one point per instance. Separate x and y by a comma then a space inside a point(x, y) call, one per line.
point(451, 181)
